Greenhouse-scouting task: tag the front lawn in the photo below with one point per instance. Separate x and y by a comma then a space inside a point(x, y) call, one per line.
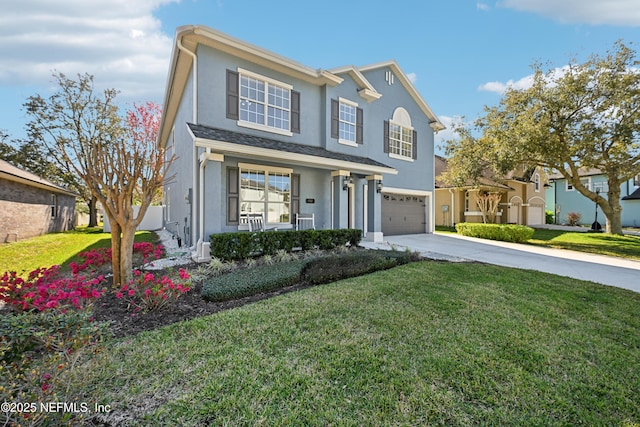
point(423, 344)
point(57, 248)
point(596, 243)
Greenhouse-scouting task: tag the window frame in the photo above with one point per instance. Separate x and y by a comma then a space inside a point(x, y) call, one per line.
point(267, 171)
point(53, 206)
point(268, 83)
point(570, 186)
point(354, 124)
point(404, 130)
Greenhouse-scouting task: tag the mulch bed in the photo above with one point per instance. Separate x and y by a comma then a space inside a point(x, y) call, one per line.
point(189, 306)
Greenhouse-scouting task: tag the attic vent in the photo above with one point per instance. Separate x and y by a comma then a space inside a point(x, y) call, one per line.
point(389, 77)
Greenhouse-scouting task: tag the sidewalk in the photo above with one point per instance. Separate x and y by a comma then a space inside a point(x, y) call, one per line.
point(612, 271)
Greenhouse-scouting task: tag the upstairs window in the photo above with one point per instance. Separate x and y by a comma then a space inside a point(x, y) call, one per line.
point(400, 139)
point(262, 103)
point(346, 122)
point(636, 180)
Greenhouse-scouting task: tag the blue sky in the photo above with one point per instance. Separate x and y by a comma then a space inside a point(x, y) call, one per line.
point(460, 54)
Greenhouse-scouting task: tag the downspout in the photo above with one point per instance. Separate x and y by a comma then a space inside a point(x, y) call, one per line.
point(195, 121)
point(453, 215)
point(202, 254)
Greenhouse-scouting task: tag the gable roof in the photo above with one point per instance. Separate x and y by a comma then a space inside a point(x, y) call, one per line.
point(189, 37)
point(15, 174)
point(434, 122)
point(441, 165)
point(581, 172)
point(633, 196)
point(226, 141)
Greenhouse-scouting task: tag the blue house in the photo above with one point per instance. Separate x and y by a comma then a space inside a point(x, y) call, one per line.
point(255, 133)
point(565, 199)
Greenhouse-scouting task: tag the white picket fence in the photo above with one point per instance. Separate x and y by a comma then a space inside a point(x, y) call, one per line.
point(152, 219)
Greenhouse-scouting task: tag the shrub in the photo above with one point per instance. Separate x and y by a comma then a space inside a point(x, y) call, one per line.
point(242, 245)
point(549, 217)
point(252, 281)
point(573, 218)
point(44, 289)
point(503, 232)
point(341, 266)
point(146, 292)
point(37, 350)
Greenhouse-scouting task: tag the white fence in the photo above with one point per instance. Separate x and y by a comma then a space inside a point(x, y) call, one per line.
point(152, 219)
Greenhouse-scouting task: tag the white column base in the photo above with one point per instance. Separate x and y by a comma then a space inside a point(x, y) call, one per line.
point(375, 237)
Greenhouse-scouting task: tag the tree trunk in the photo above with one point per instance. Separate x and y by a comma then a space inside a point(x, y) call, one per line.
point(116, 245)
point(93, 212)
point(126, 252)
point(614, 216)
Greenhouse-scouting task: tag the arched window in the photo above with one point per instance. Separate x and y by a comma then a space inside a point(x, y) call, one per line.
point(400, 137)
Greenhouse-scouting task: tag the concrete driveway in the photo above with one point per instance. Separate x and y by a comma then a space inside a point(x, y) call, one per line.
point(619, 272)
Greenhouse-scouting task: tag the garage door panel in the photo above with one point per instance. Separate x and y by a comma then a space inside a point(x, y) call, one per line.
point(403, 214)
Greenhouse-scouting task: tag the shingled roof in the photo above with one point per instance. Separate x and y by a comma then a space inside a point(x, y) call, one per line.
point(13, 173)
point(223, 135)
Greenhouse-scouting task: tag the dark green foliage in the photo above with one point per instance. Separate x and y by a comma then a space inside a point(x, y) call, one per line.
point(549, 217)
point(252, 281)
point(340, 266)
point(503, 232)
point(242, 245)
point(46, 331)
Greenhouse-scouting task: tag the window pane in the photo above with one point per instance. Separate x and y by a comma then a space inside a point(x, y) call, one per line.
point(278, 213)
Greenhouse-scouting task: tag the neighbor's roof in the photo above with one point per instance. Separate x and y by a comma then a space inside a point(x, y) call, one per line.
point(581, 172)
point(633, 196)
point(13, 173)
point(441, 166)
point(225, 141)
point(189, 37)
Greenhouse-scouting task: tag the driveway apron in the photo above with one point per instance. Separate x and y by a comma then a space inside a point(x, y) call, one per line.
point(612, 271)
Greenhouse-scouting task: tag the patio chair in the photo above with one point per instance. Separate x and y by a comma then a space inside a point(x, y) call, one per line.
point(305, 221)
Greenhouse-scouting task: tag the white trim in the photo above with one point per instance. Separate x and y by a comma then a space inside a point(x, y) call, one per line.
point(347, 142)
point(365, 209)
point(264, 168)
point(406, 192)
point(258, 126)
point(256, 76)
point(347, 101)
point(292, 158)
point(399, 157)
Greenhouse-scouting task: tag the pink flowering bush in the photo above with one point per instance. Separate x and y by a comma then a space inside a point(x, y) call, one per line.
point(98, 257)
point(44, 289)
point(146, 292)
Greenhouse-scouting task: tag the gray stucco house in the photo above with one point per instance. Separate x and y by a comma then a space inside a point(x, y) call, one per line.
point(31, 206)
point(258, 133)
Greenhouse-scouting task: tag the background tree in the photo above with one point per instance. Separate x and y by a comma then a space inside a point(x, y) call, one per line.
point(117, 159)
point(584, 116)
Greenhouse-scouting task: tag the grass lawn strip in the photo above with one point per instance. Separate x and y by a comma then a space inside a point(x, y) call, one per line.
point(425, 343)
point(627, 246)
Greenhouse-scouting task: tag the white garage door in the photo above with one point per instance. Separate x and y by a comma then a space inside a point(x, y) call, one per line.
point(403, 214)
point(535, 214)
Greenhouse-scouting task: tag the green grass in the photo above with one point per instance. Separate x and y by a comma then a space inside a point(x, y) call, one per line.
point(596, 243)
point(422, 344)
point(56, 248)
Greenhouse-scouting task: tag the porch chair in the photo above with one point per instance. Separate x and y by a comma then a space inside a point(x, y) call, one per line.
point(305, 221)
point(256, 223)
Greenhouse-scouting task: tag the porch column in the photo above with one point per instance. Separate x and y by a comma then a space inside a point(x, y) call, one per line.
point(203, 251)
point(374, 208)
point(340, 198)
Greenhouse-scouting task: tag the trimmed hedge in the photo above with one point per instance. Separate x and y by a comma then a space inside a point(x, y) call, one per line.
point(502, 232)
point(313, 271)
point(252, 281)
point(336, 267)
point(242, 245)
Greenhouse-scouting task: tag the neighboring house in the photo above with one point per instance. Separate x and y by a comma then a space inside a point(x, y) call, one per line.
point(564, 199)
point(522, 202)
point(31, 206)
point(257, 133)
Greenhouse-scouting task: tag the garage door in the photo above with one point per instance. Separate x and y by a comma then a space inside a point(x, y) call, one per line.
point(535, 214)
point(403, 214)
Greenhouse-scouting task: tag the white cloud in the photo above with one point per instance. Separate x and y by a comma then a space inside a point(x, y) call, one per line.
point(500, 87)
point(413, 77)
point(482, 6)
point(441, 138)
point(118, 41)
point(597, 12)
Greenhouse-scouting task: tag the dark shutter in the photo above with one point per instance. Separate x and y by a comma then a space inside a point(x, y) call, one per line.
point(386, 136)
point(233, 193)
point(359, 125)
point(233, 95)
point(415, 145)
point(295, 111)
point(295, 196)
point(335, 118)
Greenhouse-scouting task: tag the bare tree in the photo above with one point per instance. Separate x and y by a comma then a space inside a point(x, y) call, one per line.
point(119, 160)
